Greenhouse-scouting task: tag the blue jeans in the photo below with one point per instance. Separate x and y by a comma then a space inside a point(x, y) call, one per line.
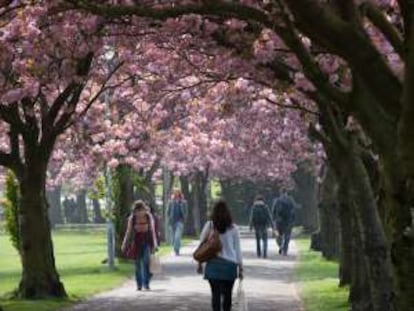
point(283, 240)
point(142, 267)
point(261, 236)
point(177, 233)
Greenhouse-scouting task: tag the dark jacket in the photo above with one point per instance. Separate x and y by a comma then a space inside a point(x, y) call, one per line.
point(264, 219)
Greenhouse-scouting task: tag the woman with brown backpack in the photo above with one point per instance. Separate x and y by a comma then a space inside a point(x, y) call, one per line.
point(140, 242)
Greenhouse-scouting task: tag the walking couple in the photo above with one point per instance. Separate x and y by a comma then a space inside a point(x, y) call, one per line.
point(280, 219)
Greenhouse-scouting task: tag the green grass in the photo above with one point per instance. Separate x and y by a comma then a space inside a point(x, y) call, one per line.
point(318, 281)
point(78, 258)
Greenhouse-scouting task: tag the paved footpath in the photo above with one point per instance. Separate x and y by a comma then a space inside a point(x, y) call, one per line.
point(267, 283)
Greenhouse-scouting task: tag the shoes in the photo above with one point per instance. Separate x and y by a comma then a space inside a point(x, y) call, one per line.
point(280, 251)
point(139, 288)
point(147, 287)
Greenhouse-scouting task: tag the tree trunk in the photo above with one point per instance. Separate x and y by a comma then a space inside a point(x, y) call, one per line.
point(373, 238)
point(403, 235)
point(306, 195)
point(55, 206)
point(39, 277)
point(346, 236)
point(97, 213)
point(360, 294)
point(328, 215)
point(190, 228)
point(196, 206)
point(123, 192)
point(167, 185)
point(81, 205)
point(203, 188)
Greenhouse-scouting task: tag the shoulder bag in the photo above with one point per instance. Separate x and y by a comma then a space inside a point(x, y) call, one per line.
point(210, 247)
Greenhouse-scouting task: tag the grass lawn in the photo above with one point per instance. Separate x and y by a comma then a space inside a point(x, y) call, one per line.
point(78, 258)
point(318, 280)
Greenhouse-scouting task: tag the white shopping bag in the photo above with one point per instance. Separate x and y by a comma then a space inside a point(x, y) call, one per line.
point(241, 299)
point(155, 264)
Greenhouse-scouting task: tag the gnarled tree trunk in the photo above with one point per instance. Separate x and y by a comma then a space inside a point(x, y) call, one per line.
point(328, 215)
point(360, 293)
point(346, 236)
point(39, 277)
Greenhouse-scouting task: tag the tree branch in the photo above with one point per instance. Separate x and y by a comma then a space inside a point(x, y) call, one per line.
point(326, 28)
point(216, 8)
point(378, 18)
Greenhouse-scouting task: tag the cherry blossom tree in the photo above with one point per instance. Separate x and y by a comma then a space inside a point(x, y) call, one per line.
point(51, 72)
point(373, 40)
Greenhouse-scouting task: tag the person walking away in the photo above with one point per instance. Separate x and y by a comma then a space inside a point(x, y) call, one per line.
point(177, 214)
point(284, 213)
point(140, 242)
point(222, 271)
point(260, 220)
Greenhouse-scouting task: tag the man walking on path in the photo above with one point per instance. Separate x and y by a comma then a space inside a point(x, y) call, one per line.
point(177, 214)
point(260, 220)
point(284, 213)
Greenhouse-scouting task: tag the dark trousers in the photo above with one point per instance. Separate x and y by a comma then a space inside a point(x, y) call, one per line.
point(221, 294)
point(261, 238)
point(285, 233)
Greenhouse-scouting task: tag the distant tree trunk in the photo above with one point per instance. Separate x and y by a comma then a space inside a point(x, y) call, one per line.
point(55, 206)
point(167, 185)
point(97, 213)
point(196, 200)
point(82, 208)
point(307, 196)
point(203, 178)
point(123, 197)
point(328, 214)
point(190, 228)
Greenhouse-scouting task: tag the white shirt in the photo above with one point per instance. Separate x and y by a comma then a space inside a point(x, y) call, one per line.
point(230, 241)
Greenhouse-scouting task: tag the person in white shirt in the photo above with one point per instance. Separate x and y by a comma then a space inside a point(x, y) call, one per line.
point(222, 271)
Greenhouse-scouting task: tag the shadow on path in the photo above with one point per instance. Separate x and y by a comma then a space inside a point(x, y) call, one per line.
point(267, 283)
